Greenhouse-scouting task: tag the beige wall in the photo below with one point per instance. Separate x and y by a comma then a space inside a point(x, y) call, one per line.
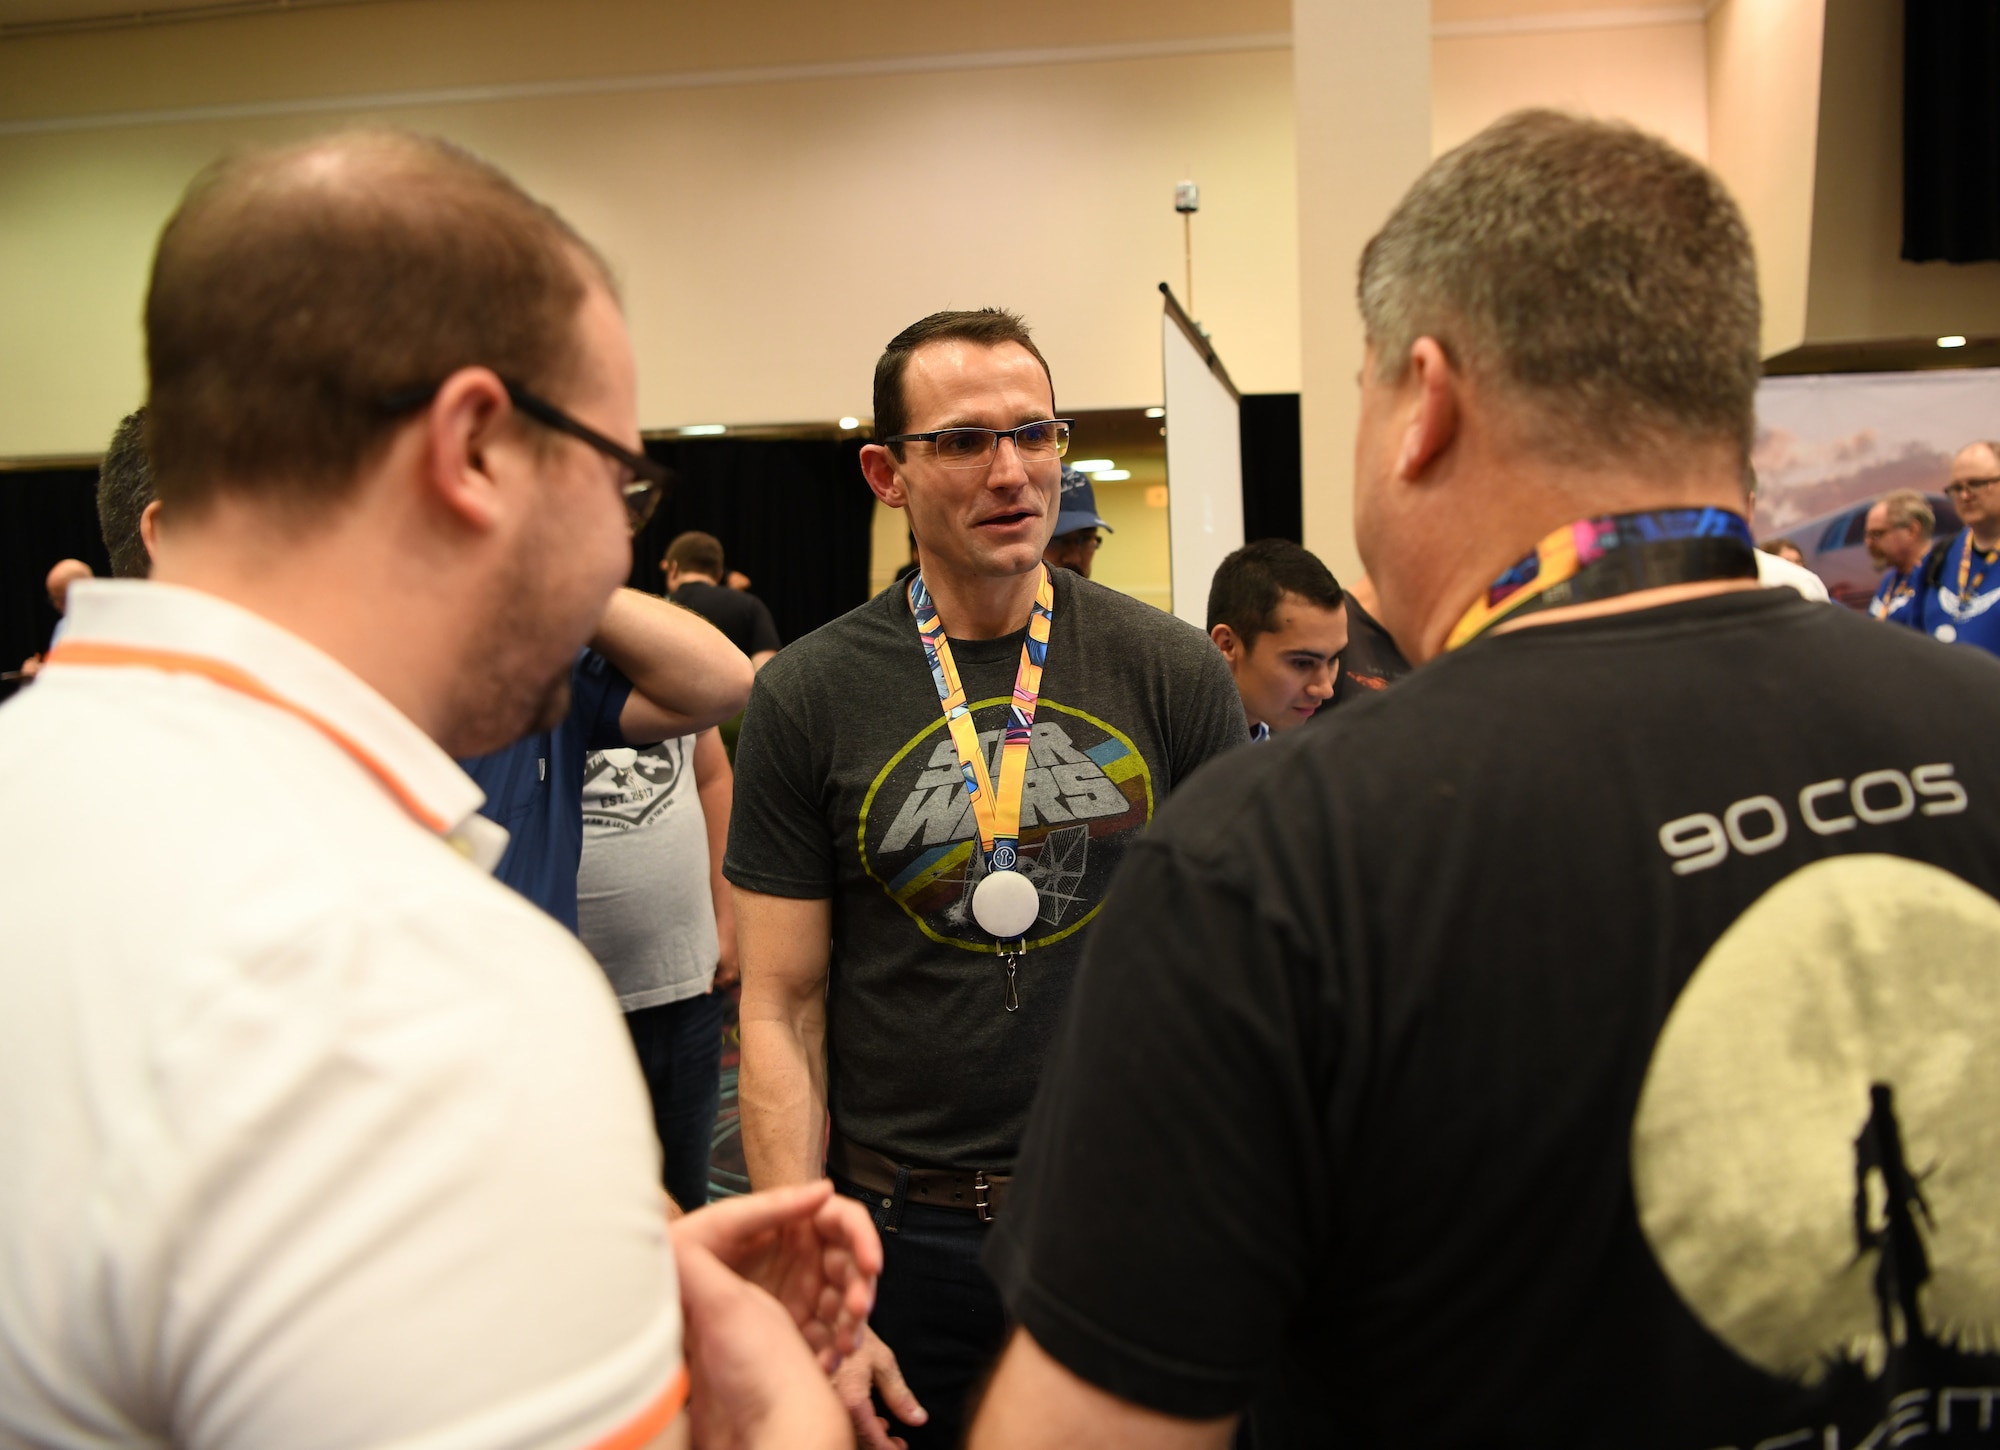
point(1387, 95)
point(1362, 83)
point(1763, 136)
point(1860, 287)
point(1655, 76)
point(772, 233)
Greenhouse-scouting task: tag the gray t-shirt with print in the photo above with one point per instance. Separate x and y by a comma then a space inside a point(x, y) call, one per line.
point(847, 788)
point(643, 902)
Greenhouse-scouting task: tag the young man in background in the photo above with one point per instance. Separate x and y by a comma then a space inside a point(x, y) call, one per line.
point(1278, 616)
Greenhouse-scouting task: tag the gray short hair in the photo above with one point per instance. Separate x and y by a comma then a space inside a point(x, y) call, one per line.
point(124, 488)
point(1597, 274)
point(1907, 506)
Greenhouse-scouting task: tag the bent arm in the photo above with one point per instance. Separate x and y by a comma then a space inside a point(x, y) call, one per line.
point(784, 946)
point(685, 674)
point(1033, 1400)
point(714, 783)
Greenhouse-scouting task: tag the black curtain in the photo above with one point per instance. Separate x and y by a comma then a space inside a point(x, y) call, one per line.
point(46, 514)
point(1951, 130)
point(793, 514)
point(1269, 434)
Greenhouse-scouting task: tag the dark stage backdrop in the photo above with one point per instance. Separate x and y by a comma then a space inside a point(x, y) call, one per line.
point(46, 514)
point(792, 513)
point(1951, 130)
point(1269, 443)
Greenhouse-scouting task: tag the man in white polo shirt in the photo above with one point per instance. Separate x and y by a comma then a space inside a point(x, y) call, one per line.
point(315, 1134)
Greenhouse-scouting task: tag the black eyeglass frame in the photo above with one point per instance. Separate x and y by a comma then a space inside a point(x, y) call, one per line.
point(1966, 487)
point(995, 433)
point(640, 503)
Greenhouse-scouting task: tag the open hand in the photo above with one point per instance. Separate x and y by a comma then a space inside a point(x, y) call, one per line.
point(813, 1251)
point(873, 1366)
point(752, 1382)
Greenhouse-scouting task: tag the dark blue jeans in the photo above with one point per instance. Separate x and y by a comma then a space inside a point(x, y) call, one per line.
point(937, 1310)
point(680, 1053)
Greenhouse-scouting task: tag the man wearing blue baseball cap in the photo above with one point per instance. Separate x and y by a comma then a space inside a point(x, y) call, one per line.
point(1075, 542)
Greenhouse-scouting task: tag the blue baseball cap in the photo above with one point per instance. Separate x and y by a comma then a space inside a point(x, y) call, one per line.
point(1078, 506)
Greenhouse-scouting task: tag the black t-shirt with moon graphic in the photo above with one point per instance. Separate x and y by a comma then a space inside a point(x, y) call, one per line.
point(1593, 1041)
point(848, 788)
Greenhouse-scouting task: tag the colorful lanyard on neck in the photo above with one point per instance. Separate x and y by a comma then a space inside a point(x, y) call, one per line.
point(998, 813)
point(1613, 554)
point(1986, 561)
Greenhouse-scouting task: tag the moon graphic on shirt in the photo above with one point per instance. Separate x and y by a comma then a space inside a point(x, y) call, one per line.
point(1816, 1154)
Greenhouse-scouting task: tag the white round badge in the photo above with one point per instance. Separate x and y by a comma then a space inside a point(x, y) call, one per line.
point(1006, 904)
point(1947, 632)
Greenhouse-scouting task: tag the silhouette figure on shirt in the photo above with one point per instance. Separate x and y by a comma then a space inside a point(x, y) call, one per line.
point(1902, 1265)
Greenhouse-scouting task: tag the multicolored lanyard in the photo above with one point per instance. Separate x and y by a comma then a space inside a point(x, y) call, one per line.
point(1986, 561)
point(1613, 554)
point(998, 813)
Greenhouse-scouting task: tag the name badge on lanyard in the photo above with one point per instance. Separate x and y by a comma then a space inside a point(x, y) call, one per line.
point(1005, 902)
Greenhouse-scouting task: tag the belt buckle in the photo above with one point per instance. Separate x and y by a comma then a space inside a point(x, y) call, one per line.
point(980, 1205)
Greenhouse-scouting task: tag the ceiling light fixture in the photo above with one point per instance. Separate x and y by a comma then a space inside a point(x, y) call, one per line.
point(850, 422)
point(1111, 475)
point(1156, 412)
point(1953, 341)
point(703, 430)
point(1092, 465)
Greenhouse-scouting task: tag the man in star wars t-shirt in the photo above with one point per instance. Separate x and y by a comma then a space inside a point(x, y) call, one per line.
point(1960, 583)
point(874, 987)
point(1592, 1041)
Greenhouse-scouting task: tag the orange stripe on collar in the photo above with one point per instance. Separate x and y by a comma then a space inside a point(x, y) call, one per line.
point(89, 652)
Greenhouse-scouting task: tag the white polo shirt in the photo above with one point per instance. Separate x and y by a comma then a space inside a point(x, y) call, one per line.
point(311, 1134)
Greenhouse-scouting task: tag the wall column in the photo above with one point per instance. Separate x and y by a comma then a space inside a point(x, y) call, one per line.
point(1362, 94)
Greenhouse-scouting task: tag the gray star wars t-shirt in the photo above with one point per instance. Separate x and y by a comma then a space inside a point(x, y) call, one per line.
point(847, 787)
point(644, 906)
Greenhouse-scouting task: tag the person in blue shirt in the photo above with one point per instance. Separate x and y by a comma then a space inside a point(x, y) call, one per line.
point(652, 672)
point(1899, 535)
point(1960, 584)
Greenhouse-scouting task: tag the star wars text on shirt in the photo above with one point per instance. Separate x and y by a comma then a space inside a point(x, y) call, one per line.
point(1085, 781)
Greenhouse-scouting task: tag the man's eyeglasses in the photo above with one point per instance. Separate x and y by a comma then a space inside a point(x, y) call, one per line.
point(1041, 442)
point(1960, 488)
point(645, 482)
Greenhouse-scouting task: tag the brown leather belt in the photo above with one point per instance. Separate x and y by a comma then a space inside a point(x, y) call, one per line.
point(975, 1189)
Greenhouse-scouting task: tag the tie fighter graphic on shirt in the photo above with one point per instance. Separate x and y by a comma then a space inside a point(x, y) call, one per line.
point(1056, 870)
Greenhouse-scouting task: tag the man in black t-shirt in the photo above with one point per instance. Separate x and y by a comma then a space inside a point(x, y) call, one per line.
point(876, 988)
point(1371, 662)
point(693, 565)
point(1593, 1040)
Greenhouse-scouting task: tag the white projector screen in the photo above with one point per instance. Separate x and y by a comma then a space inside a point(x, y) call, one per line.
point(1204, 461)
